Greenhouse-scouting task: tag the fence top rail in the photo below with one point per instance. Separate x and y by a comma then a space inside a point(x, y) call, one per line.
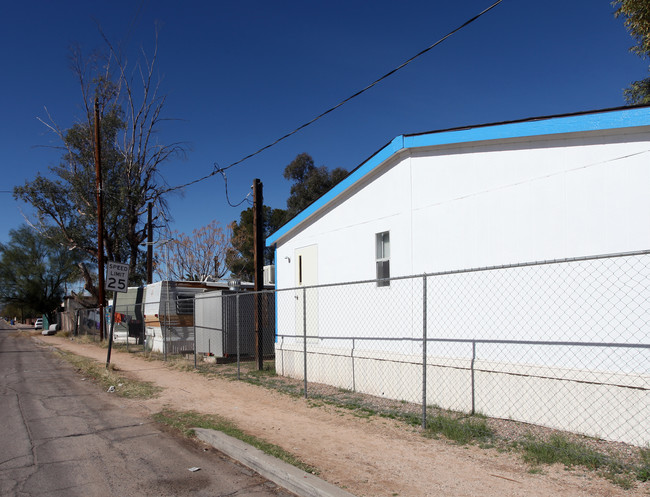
point(476, 340)
point(474, 270)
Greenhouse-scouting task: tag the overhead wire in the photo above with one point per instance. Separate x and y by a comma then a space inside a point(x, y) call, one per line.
point(225, 180)
point(218, 170)
point(221, 170)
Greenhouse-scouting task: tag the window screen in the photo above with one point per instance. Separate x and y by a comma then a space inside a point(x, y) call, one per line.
point(184, 304)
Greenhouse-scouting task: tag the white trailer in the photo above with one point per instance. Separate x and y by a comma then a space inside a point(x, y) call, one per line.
point(169, 315)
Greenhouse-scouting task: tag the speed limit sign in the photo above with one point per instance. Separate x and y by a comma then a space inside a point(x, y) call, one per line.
point(117, 276)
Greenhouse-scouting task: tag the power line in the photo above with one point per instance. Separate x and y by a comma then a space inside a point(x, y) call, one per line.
point(217, 170)
point(225, 180)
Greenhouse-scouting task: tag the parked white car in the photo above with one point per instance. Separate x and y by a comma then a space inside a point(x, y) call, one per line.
point(38, 324)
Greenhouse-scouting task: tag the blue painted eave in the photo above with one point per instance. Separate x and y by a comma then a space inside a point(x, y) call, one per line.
point(575, 123)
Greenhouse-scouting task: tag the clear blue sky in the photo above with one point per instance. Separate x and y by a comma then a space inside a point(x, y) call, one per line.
point(238, 75)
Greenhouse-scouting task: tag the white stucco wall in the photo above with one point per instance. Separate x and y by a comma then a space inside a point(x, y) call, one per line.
point(487, 204)
point(461, 207)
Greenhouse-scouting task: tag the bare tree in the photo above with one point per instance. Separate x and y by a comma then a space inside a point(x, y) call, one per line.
point(199, 256)
point(131, 109)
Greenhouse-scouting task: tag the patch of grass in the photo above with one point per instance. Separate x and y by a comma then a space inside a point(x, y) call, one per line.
point(184, 421)
point(623, 480)
point(559, 449)
point(643, 470)
point(460, 430)
point(124, 387)
point(90, 339)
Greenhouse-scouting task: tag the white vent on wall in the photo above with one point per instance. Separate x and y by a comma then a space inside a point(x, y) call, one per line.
point(269, 275)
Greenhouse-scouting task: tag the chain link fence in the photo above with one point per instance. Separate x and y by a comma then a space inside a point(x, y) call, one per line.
point(217, 326)
point(562, 344)
point(227, 325)
point(129, 326)
point(87, 323)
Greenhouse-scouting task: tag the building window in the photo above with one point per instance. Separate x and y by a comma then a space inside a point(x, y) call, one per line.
point(184, 304)
point(382, 255)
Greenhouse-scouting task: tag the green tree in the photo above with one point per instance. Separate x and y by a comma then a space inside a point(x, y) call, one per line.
point(131, 159)
point(240, 258)
point(309, 183)
point(34, 270)
point(636, 16)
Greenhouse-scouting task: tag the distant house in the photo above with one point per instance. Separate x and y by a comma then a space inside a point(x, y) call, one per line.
point(539, 189)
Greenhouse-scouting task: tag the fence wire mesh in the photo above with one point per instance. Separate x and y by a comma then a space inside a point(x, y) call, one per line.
point(228, 324)
point(562, 344)
point(87, 323)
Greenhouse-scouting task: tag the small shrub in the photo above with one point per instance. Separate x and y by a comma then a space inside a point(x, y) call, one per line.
point(124, 387)
point(643, 470)
point(560, 449)
point(462, 431)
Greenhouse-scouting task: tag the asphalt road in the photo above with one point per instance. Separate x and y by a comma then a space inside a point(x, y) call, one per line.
point(61, 436)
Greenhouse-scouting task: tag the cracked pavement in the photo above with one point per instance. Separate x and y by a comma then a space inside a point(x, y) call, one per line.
point(60, 436)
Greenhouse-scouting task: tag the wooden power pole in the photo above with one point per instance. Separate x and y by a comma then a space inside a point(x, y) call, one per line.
point(149, 245)
point(258, 250)
point(100, 223)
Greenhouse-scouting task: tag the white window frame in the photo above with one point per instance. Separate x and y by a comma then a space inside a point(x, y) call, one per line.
point(382, 258)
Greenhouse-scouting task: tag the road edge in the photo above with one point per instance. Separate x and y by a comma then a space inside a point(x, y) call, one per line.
point(279, 472)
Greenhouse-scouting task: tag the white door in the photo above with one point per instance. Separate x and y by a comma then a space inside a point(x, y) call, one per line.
point(306, 275)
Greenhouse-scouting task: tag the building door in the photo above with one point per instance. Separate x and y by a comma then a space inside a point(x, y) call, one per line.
point(306, 299)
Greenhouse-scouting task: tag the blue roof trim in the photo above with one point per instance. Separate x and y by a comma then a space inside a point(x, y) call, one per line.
point(624, 118)
point(384, 154)
point(550, 126)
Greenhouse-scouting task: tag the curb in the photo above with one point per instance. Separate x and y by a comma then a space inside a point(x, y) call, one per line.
point(279, 472)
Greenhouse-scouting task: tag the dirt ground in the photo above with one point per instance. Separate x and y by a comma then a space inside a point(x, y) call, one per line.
point(373, 457)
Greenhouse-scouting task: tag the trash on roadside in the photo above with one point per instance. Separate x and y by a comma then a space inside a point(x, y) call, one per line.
point(194, 469)
point(111, 389)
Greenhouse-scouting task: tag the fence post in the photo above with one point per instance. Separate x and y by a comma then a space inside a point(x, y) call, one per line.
point(472, 370)
point(194, 327)
point(165, 327)
point(127, 325)
point(424, 351)
point(354, 377)
point(238, 363)
point(304, 334)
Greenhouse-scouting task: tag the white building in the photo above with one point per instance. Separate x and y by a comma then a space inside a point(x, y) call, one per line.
point(541, 189)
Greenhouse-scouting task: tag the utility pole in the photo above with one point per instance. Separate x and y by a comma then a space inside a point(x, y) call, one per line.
point(100, 222)
point(149, 245)
point(258, 251)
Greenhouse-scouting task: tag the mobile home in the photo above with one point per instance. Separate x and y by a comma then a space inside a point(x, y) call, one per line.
point(169, 315)
point(452, 204)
